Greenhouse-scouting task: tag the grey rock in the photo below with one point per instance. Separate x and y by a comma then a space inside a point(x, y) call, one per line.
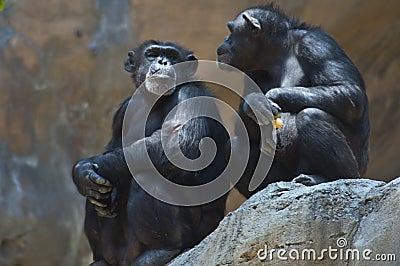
point(344, 215)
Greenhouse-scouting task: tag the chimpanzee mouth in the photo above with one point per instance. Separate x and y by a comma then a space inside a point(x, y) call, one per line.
point(160, 76)
point(224, 58)
point(224, 61)
point(160, 84)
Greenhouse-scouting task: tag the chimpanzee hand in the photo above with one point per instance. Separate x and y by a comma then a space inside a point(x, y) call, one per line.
point(273, 95)
point(262, 108)
point(171, 146)
point(90, 184)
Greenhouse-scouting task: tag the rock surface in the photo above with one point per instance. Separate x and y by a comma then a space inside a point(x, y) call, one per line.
point(344, 215)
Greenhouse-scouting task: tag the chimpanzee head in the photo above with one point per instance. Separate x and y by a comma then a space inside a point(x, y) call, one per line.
point(256, 34)
point(152, 63)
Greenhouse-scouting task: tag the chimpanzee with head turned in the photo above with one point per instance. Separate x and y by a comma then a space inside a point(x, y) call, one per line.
point(123, 223)
point(320, 92)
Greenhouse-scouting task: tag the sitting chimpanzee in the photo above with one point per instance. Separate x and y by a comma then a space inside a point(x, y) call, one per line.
point(325, 133)
point(123, 221)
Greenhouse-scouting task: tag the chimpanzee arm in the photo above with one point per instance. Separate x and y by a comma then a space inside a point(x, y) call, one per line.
point(93, 181)
point(179, 129)
point(93, 175)
point(336, 85)
point(189, 136)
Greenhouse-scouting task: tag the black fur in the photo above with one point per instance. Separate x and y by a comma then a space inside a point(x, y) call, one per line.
point(143, 223)
point(320, 91)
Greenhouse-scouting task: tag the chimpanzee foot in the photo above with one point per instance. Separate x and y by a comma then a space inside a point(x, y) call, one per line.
point(99, 263)
point(310, 180)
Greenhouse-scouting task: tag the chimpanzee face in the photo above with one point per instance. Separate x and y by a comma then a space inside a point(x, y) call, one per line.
point(241, 48)
point(153, 65)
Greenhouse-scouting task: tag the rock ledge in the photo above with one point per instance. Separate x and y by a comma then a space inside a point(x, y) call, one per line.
point(345, 215)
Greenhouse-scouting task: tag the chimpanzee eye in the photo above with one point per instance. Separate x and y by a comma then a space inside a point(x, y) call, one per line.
point(151, 55)
point(173, 57)
point(228, 38)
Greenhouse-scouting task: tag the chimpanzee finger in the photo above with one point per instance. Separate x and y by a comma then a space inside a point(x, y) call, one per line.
point(95, 186)
point(258, 108)
point(275, 108)
point(96, 203)
point(172, 126)
point(95, 166)
point(98, 188)
point(97, 195)
point(263, 113)
point(101, 189)
point(105, 212)
point(99, 179)
point(262, 119)
point(258, 116)
point(176, 128)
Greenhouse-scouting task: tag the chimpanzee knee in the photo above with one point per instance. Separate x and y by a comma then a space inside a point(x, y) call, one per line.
point(307, 118)
point(323, 148)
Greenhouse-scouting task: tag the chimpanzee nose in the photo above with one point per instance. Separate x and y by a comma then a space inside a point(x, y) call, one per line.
point(230, 25)
point(163, 61)
point(222, 49)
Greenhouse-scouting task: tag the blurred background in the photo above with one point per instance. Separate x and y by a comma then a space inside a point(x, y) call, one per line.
point(61, 79)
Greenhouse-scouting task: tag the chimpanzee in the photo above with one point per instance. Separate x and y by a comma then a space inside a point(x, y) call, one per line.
point(320, 92)
point(122, 221)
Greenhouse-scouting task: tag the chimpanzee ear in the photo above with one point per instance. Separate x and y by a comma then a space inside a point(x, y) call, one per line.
point(193, 64)
point(253, 22)
point(129, 63)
